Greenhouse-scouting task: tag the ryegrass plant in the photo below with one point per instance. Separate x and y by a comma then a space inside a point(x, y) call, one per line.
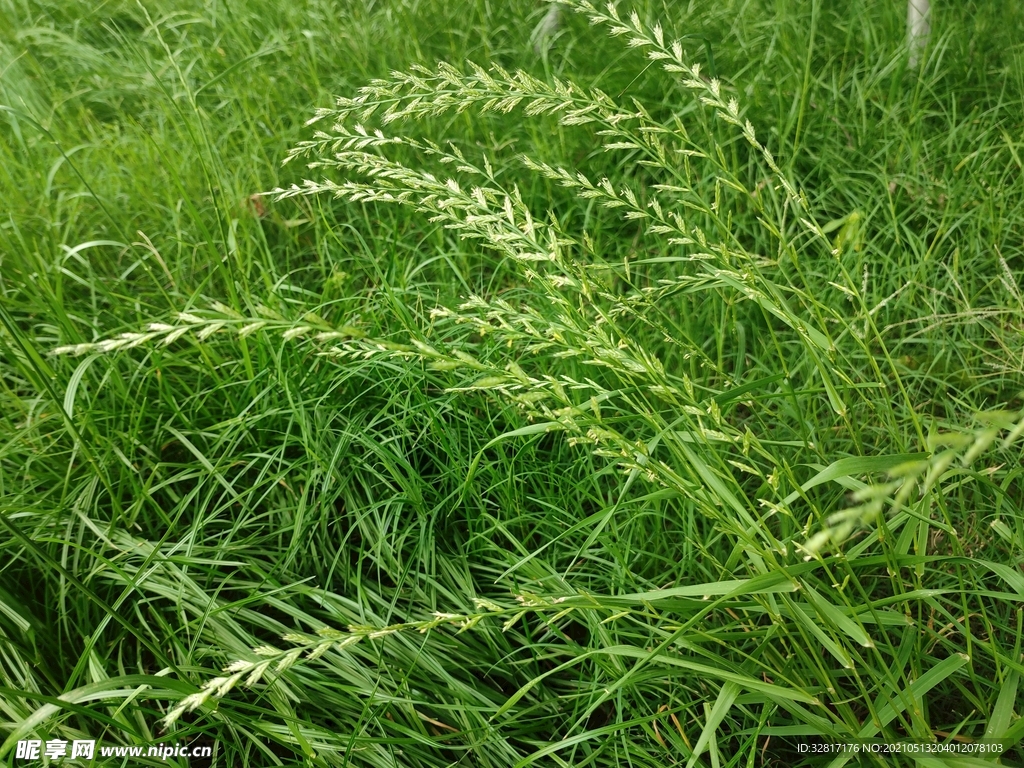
point(654, 442)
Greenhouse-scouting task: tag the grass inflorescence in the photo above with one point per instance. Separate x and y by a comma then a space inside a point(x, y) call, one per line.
point(633, 387)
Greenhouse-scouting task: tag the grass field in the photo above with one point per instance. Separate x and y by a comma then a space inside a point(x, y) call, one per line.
point(600, 410)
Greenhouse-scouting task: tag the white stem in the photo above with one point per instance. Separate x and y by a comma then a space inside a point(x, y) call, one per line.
point(918, 27)
point(546, 29)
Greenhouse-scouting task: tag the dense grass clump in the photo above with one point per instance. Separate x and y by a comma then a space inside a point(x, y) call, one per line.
point(633, 387)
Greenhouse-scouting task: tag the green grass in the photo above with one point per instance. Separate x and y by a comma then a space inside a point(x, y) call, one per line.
point(545, 475)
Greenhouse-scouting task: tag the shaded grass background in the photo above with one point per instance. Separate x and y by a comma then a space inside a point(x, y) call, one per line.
point(212, 497)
